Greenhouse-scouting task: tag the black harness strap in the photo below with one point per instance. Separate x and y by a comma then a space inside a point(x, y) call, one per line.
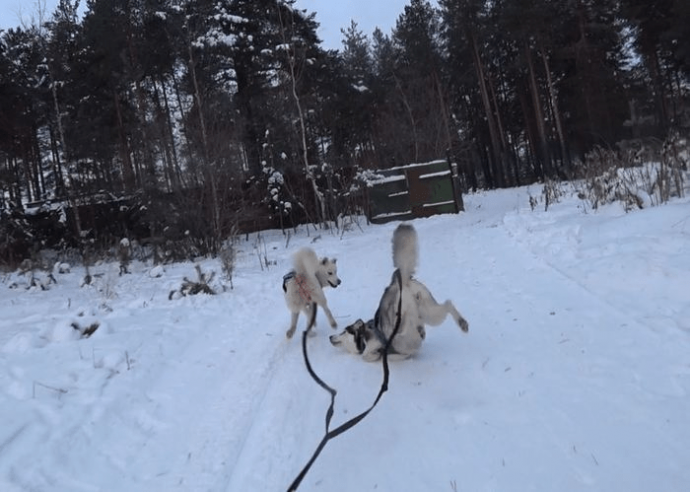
point(330, 434)
point(287, 277)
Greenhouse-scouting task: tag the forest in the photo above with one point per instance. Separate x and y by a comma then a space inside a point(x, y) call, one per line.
point(190, 122)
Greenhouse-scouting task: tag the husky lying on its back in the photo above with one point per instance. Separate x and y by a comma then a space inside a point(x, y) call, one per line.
point(303, 286)
point(419, 308)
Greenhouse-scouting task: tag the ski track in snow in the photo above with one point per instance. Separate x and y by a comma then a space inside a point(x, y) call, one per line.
point(561, 383)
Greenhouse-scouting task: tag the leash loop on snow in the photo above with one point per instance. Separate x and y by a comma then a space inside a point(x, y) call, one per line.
point(330, 434)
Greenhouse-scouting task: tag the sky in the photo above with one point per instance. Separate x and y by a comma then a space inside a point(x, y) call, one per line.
point(574, 375)
point(368, 14)
point(13, 12)
point(331, 15)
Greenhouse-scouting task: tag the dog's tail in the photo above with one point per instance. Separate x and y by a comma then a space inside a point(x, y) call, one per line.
point(405, 251)
point(305, 261)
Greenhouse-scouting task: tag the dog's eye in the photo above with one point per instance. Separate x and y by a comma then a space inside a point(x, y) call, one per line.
point(360, 343)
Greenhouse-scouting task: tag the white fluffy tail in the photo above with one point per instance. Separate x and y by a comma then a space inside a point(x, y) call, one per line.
point(305, 261)
point(405, 250)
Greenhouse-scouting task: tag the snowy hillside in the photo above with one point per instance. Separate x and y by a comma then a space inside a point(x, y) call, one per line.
point(575, 374)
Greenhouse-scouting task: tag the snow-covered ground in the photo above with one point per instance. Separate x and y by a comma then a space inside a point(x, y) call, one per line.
point(575, 374)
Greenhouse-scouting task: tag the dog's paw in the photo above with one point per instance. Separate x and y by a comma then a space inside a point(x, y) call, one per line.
point(372, 356)
point(290, 332)
point(334, 324)
point(464, 325)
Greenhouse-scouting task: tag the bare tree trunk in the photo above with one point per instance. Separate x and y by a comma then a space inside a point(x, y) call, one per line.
point(406, 103)
point(161, 134)
point(197, 99)
point(543, 149)
point(318, 195)
point(502, 165)
point(67, 176)
point(128, 175)
point(175, 170)
point(27, 172)
point(555, 110)
point(36, 167)
point(584, 65)
point(55, 157)
point(493, 134)
point(659, 89)
point(208, 173)
point(141, 106)
point(192, 178)
point(443, 105)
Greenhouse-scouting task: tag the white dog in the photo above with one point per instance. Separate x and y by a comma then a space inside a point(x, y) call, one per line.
point(303, 286)
point(419, 308)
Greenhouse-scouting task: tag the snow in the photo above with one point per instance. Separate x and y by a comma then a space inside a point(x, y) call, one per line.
point(434, 175)
point(575, 374)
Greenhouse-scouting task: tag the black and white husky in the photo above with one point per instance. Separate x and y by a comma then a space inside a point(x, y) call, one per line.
point(419, 308)
point(303, 286)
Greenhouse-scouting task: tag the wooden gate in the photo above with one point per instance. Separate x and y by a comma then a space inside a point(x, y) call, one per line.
point(415, 190)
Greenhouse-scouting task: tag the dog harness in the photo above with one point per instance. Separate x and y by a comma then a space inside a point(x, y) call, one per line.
point(378, 333)
point(302, 287)
point(373, 325)
point(286, 278)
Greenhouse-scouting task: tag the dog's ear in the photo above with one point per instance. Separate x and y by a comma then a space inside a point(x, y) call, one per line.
point(334, 260)
point(324, 260)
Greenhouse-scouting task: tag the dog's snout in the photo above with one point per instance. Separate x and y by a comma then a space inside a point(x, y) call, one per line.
point(334, 339)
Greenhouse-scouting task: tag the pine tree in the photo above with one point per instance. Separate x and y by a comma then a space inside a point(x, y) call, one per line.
point(23, 112)
point(467, 42)
point(351, 106)
point(660, 38)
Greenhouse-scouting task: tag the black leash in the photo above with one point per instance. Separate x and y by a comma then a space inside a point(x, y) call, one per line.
point(330, 434)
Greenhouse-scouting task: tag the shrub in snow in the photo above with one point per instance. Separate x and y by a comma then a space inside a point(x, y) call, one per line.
point(227, 257)
point(189, 287)
point(105, 283)
point(124, 255)
point(622, 176)
point(85, 330)
point(23, 231)
point(38, 275)
point(552, 193)
point(277, 198)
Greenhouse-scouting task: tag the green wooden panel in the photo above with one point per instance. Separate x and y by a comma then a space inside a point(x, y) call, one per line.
point(390, 204)
point(430, 192)
point(440, 188)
